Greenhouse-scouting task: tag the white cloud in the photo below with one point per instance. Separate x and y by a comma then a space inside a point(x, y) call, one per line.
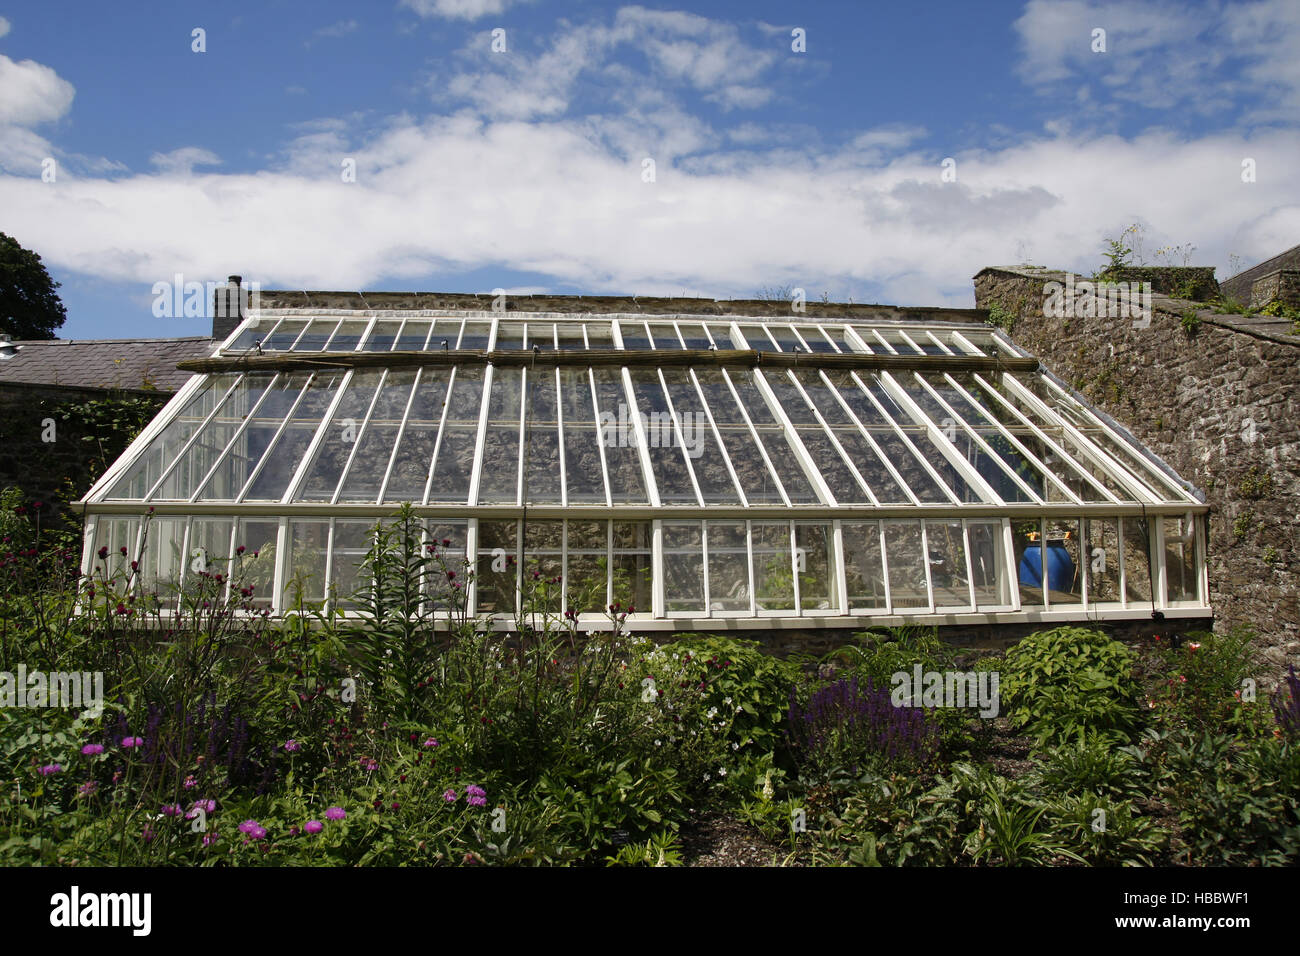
point(182, 161)
point(340, 29)
point(4, 26)
point(1209, 59)
point(456, 194)
point(32, 93)
point(457, 9)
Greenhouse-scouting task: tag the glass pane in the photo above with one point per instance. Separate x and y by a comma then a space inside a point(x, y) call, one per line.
point(626, 479)
point(728, 566)
point(340, 437)
point(499, 472)
point(210, 545)
point(1028, 539)
point(569, 337)
point(449, 571)
point(118, 537)
point(989, 564)
point(864, 457)
point(510, 335)
point(496, 572)
point(246, 450)
point(451, 470)
point(347, 337)
point(1064, 567)
point(586, 585)
point(377, 439)
point(583, 471)
point(696, 436)
point(665, 335)
point(383, 336)
point(163, 449)
point(683, 566)
point(633, 565)
point(543, 566)
point(317, 335)
point(721, 334)
point(1181, 575)
point(667, 460)
point(906, 564)
point(1102, 567)
point(600, 335)
point(305, 570)
point(161, 561)
point(634, 336)
point(542, 440)
point(863, 569)
point(284, 335)
point(694, 335)
point(882, 431)
point(413, 336)
point(475, 336)
point(948, 564)
point(826, 457)
point(1137, 562)
point(414, 454)
point(352, 539)
point(757, 480)
point(772, 434)
point(256, 564)
point(815, 561)
point(282, 459)
point(773, 566)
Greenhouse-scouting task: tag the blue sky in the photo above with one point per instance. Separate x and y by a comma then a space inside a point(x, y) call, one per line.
point(525, 168)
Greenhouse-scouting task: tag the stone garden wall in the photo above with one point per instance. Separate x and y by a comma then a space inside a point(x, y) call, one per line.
point(1218, 398)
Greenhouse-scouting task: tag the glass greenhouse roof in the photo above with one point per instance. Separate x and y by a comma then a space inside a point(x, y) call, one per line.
point(702, 436)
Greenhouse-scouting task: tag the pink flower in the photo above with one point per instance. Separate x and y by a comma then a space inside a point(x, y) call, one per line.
point(335, 813)
point(314, 826)
point(431, 742)
point(248, 826)
point(292, 745)
point(476, 801)
point(172, 810)
point(87, 789)
point(51, 768)
point(129, 742)
point(449, 795)
point(91, 750)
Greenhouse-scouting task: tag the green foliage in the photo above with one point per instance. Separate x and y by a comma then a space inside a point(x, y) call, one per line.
point(1002, 318)
point(29, 305)
point(1190, 321)
point(1060, 682)
point(1202, 683)
point(1090, 764)
point(1241, 525)
point(1256, 485)
point(1117, 251)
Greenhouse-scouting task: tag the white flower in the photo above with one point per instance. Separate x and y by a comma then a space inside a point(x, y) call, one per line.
point(658, 742)
point(735, 746)
point(727, 701)
point(706, 776)
point(722, 771)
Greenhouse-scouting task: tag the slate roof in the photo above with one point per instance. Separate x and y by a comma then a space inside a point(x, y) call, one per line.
point(1239, 286)
point(104, 363)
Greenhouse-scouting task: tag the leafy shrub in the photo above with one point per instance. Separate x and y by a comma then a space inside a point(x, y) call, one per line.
point(1202, 689)
point(1059, 682)
point(1286, 707)
point(1089, 764)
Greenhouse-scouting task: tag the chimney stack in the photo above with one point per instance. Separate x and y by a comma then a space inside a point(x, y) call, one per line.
point(227, 311)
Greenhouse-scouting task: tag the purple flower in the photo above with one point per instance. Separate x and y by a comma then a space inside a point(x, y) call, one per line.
point(172, 810)
point(476, 801)
point(209, 838)
point(91, 750)
point(50, 768)
point(147, 834)
point(314, 826)
point(292, 745)
point(335, 813)
point(190, 782)
point(258, 833)
point(475, 791)
point(207, 806)
point(431, 742)
point(87, 789)
point(129, 742)
point(449, 795)
point(248, 826)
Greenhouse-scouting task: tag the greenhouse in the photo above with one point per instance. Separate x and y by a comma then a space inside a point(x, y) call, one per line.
point(698, 472)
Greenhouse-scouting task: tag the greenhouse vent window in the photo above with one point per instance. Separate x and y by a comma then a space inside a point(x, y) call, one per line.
point(705, 470)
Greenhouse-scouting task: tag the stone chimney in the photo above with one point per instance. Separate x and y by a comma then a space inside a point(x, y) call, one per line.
point(227, 308)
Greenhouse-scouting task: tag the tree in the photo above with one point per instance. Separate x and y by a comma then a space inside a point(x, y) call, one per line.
point(29, 306)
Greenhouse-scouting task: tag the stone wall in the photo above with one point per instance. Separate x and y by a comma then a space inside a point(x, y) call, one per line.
point(1282, 287)
point(1189, 282)
point(1218, 398)
point(55, 463)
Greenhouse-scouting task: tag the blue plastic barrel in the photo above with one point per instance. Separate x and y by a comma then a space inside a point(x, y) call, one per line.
point(1060, 567)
